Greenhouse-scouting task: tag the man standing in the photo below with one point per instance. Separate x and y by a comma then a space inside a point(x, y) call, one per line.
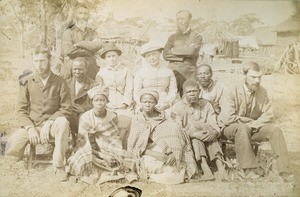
point(43, 108)
point(80, 41)
point(198, 119)
point(182, 48)
point(79, 84)
point(247, 115)
point(210, 90)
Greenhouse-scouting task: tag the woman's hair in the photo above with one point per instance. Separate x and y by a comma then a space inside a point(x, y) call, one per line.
point(130, 190)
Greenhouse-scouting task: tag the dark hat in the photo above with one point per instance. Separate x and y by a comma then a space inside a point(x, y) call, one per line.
point(109, 47)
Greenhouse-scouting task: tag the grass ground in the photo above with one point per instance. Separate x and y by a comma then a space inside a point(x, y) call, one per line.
point(284, 93)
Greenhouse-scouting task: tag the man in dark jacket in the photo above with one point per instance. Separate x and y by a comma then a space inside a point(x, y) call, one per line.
point(43, 110)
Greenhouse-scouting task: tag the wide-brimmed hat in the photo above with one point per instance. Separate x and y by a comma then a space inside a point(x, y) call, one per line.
point(151, 46)
point(151, 92)
point(109, 47)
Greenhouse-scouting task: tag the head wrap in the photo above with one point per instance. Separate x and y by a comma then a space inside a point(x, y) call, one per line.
point(151, 92)
point(98, 90)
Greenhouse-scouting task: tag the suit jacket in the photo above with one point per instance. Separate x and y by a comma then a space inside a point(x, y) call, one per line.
point(81, 98)
point(233, 106)
point(38, 103)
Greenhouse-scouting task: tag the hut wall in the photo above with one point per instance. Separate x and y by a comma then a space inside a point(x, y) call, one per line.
point(231, 49)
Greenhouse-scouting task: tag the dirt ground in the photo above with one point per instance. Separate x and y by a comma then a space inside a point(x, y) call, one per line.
point(284, 93)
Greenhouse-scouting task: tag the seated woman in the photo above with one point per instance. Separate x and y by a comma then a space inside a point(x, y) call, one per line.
point(98, 135)
point(116, 76)
point(155, 76)
point(160, 143)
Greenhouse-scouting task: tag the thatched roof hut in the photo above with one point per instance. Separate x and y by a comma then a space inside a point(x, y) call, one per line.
point(288, 31)
point(265, 36)
point(290, 25)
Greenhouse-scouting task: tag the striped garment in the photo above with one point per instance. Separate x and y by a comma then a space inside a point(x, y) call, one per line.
point(164, 133)
point(100, 134)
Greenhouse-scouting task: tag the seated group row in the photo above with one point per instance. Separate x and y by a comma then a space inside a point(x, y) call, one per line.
point(50, 107)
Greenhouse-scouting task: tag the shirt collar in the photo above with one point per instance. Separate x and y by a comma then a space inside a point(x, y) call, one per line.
point(247, 90)
point(187, 31)
point(209, 85)
point(44, 81)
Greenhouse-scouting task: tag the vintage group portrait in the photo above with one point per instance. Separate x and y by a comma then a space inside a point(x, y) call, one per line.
point(149, 98)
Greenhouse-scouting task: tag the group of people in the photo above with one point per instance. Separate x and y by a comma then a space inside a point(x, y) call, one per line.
point(161, 120)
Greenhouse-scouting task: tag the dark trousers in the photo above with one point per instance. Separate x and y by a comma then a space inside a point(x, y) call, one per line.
point(242, 135)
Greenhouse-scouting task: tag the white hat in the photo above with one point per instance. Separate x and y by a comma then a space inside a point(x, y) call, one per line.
point(151, 46)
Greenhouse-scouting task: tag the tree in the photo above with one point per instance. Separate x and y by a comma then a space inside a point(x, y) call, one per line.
point(244, 25)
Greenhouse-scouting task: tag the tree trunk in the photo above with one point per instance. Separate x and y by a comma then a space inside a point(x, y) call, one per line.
point(57, 55)
point(43, 23)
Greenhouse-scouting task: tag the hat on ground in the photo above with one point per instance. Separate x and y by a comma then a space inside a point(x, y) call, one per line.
point(151, 46)
point(151, 92)
point(109, 47)
point(98, 90)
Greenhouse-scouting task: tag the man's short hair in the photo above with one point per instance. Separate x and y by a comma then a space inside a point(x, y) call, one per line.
point(80, 5)
point(41, 49)
point(190, 82)
point(205, 65)
point(81, 59)
point(186, 11)
point(250, 66)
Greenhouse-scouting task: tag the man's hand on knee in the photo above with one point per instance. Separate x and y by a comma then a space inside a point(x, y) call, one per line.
point(210, 136)
point(33, 136)
point(44, 133)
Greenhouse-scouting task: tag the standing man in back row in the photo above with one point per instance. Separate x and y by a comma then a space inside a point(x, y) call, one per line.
point(80, 41)
point(182, 49)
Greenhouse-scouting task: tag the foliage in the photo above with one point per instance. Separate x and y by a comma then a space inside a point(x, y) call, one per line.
point(244, 25)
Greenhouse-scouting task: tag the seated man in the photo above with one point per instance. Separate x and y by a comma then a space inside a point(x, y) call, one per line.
point(79, 84)
point(247, 114)
point(43, 108)
point(198, 119)
point(210, 90)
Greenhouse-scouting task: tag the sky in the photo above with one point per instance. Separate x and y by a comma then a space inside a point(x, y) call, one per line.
point(271, 12)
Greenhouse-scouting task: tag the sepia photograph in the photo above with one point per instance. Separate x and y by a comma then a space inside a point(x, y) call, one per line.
point(120, 98)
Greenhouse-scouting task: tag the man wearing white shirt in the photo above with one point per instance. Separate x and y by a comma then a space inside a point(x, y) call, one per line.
point(210, 90)
point(79, 84)
point(43, 110)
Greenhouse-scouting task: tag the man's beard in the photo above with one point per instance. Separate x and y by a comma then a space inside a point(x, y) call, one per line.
point(81, 24)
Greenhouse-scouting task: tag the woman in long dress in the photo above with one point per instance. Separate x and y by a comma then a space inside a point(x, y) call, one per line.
point(98, 136)
point(156, 76)
point(118, 78)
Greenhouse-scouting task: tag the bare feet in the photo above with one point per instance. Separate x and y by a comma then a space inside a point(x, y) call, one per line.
point(221, 174)
point(207, 174)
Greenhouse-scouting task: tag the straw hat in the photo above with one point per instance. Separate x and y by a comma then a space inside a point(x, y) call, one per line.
point(151, 46)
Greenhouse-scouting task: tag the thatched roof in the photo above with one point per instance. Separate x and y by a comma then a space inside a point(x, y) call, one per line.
point(110, 28)
point(292, 24)
point(265, 36)
point(217, 33)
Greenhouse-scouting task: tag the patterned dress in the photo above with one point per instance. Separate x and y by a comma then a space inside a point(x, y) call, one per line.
point(95, 135)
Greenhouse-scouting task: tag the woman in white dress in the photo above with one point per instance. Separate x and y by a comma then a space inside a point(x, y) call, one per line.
point(155, 76)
